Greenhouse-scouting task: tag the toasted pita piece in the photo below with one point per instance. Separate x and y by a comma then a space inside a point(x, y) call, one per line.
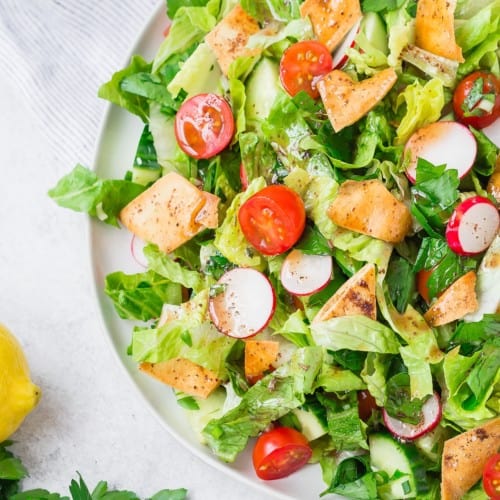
point(346, 101)
point(229, 38)
point(455, 302)
point(260, 357)
point(331, 19)
point(355, 296)
point(434, 28)
point(464, 457)
point(183, 375)
point(170, 212)
point(493, 187)
point(368, 207)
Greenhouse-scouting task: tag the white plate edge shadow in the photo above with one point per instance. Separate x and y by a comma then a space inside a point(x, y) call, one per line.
point(118, 335)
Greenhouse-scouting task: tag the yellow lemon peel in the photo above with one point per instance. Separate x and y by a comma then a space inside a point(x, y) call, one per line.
point(18, 394)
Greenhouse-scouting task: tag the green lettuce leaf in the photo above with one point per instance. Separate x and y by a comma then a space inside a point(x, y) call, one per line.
point(317, 198)
point(423, 104)
point(83, 191)
point(469, 381)
point(374, 375)
point(112, 91)
point(162, 264)
point(265, 402)
point(189, 25)
point(357, 333)
point(272, 10)
point(141, 296)
point(188, 335)
point(473, 30)
point(230, 240)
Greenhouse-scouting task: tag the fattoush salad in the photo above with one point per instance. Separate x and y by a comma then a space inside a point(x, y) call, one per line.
point(315, 198)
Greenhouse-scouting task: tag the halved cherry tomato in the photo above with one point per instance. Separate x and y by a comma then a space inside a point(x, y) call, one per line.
point(491, 477)
point(302, 64)
point(280, 452)
point(366, 404)
point(476, 100)
point(273, 219)
point(204, 125)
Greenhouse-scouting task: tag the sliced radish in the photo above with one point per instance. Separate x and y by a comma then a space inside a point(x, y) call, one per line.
point(136, 248)
point(243, 302)
point(303, 274)
point(473, 226)
point(340, 56)
point(442, 143)
point(431, 415)
point(492, 132)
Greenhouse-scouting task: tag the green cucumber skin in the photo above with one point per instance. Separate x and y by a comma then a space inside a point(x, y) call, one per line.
point(389, 455)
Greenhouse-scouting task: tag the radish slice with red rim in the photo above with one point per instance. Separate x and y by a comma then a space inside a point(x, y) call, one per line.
point(304, 274)
point(340, 56)
point(492, 132)
point(136, 248)
point(431, 415)
point(442, 143)
point(473, 226)
point(242, 302)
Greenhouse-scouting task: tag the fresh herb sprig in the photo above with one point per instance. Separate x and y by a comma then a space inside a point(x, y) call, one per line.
point(12, 471)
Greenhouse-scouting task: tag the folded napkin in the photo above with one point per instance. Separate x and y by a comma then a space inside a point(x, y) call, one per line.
point(57, 53)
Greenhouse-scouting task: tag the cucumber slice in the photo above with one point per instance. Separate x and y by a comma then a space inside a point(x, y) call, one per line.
point(402, 463)
point(431, 444)
point(312, 426)
point(373, 28)
point(145, 175)
point(261, 90)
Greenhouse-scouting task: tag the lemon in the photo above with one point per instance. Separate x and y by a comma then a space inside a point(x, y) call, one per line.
point(18, 394)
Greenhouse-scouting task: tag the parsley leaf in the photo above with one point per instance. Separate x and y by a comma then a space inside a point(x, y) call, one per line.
point(447, 266)
point(12, 471)
point(434, 195)
point(399, 403)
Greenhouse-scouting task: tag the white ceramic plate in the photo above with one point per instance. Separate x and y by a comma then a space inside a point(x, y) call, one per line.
point(110, 251)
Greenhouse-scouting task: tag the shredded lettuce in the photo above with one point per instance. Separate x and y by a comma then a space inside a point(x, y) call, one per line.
point(423, 105)
point(265, 402)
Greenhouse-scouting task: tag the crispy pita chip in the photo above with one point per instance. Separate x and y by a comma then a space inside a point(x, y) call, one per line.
point(260, 357)
point(455, 302)
point(355, 296)
point(331, 19)
point(346, 101)
point(170, 212)
point(464, 457)
point(229, 38)
point(183, 375)
point(368, 207)
point(435, 28)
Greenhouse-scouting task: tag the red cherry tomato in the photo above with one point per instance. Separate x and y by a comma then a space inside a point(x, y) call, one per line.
point(280, 452)
point(273, 219)
point(491, 477)
point(366, 404)
point(422, 280)
point(476, 100)
point(204, 125)
point(302, 64)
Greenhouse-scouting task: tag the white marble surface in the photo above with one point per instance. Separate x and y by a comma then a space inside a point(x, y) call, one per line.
point(53, 56)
